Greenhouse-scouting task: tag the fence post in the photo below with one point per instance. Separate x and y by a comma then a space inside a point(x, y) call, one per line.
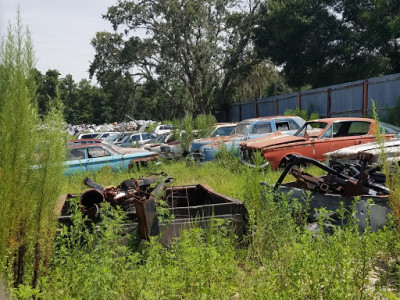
point(276, 107)
point(256, 104)
point(328, 104)
point(299, 100)
point(240, 111)
point(365, 98)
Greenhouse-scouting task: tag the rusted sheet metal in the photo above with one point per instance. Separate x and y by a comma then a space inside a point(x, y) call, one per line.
point(193, 205)
point(339, 187)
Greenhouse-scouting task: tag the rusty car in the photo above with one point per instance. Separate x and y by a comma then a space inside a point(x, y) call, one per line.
point(371, 153)
point(143, 198)
point(206, 149)
point(360, 190)
point(92, 157)
point(313, 139)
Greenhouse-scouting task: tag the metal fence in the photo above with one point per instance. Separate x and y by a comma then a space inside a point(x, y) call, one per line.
point(352, 99)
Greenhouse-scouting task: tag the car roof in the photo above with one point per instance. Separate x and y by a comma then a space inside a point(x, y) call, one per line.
point(268, 118)
point(329, 120)
point(86, 140)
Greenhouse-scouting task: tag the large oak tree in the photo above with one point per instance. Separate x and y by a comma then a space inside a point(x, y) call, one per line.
point(192, 51)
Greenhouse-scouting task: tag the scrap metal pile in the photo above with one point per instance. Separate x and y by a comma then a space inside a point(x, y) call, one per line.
point(337, 190)
point(191, 205)
point(346, 180)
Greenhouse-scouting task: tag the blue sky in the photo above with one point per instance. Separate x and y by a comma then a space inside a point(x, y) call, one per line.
point(61, 31)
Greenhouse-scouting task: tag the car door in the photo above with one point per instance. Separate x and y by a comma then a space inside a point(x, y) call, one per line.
point(342, 134)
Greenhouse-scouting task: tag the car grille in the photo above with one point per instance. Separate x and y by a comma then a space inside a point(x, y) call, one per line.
point(165, 149)
point(196, 156)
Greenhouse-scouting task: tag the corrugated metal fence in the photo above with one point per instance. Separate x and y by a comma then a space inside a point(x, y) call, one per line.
point(351, 99)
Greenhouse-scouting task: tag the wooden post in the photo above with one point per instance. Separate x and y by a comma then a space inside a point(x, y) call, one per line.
point(276, 107)
point(256, 104)
point(299, 100)
point(365, 98)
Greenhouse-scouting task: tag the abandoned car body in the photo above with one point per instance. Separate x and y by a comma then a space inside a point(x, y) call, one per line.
point(206, 149)
point(370, 152)
point(336, 191)
point(192, 205)
point(313, 139)
point(92, 157)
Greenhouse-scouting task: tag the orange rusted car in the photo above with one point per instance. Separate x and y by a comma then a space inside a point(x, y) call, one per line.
point(313, 139)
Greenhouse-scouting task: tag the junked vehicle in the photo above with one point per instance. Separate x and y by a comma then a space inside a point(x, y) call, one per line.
point(370, 152)
point(88, 135)
point(217, 130)
point(222, 129)
point(92, 157)
point(160, 129)
point(166, 146)
point(136, 139)
point(206, 149)
point(313, 139)
point(189, 206)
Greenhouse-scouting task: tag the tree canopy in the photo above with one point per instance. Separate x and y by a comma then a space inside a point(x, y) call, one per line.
point(192, 51)
point(322, 42)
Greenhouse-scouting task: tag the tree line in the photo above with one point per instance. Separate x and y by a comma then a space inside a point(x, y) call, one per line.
point(166, 59)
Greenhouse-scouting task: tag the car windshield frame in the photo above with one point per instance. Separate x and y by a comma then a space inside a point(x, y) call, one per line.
point(241, 127)
point(226, 130)
point(308, 126)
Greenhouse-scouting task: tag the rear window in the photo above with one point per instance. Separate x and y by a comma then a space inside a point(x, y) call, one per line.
point(388, 128)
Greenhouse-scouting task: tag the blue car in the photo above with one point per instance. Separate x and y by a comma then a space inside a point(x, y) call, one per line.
point(92, 157)
point(203, 150)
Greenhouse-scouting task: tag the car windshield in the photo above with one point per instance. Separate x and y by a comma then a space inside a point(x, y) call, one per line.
point(160, 139)
point(223, 131)
point(312, 129)
point(112, 138)
point(241, 129)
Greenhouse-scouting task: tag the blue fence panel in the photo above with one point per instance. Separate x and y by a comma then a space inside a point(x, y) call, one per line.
point(384, 92)
point(285, 103)
point(347, 101)
point(248, 110)
point(233, 113)
point(266, 107)
point(315, 101)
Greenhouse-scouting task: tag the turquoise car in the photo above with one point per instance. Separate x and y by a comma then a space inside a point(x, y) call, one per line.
point(92, 157)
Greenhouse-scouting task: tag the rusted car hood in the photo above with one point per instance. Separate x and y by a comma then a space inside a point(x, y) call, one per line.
point(272, 140)
point(391, 149)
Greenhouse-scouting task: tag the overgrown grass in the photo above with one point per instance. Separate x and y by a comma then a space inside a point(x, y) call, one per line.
point(280, 259)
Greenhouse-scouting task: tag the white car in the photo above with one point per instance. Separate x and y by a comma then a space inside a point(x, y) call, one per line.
point(160, 129)
point(136, 139)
